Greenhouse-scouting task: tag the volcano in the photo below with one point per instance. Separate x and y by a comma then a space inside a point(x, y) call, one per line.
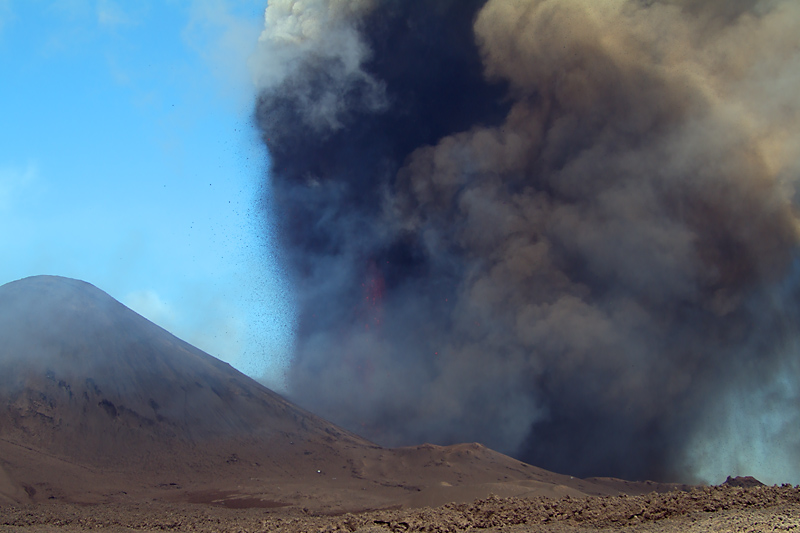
point(100, 384)
point(99, 405)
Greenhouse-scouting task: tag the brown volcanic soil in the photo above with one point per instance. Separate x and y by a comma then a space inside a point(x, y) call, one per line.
point(721, 509)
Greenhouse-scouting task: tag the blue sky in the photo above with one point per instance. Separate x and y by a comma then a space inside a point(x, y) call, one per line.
point(127, 159)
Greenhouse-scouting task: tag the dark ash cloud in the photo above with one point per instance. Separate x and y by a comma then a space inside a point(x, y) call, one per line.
point(565, 229)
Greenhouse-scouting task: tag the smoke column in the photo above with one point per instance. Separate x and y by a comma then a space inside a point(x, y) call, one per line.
point(564, 228)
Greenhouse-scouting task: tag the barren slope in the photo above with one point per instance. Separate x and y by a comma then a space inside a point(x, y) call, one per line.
point(101, 405)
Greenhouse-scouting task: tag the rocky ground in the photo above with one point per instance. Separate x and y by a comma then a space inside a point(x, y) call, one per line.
point(725, 508)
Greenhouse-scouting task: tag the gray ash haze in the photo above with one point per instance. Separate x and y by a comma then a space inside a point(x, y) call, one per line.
point(564, 228)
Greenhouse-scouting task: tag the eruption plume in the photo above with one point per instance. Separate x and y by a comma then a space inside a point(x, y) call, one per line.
point(564, 228)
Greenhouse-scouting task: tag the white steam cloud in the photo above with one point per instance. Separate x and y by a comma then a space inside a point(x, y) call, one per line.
point(312, 52)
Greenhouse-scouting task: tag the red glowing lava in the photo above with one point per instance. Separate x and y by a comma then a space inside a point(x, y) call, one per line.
point(373, 287)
